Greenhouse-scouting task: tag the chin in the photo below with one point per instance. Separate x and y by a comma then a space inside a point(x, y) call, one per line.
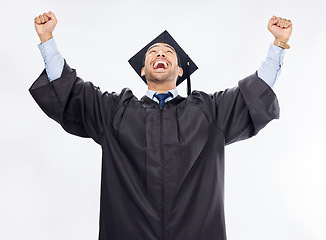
point(162, 79)
point(159, 78)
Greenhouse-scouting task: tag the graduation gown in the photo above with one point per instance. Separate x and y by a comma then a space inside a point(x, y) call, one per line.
point(162, 169)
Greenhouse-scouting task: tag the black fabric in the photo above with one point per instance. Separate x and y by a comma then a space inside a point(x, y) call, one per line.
point(162, 169)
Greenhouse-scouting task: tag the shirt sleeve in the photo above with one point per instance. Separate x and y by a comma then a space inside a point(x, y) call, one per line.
point(53, 60)
point(270, 69)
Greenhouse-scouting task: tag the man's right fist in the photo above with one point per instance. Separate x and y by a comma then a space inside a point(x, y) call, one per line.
point(44, 25)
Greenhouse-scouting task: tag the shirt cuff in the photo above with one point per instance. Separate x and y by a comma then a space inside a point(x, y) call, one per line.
point(48, 49)
point(276, 53)
point(270, 69)
point(53, 60)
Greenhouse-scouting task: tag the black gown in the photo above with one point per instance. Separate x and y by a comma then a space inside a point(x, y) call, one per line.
point(162, 169)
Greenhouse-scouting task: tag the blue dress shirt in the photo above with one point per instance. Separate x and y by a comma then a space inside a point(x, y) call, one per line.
point(269, 70)
point(52, 58)
point(151, 95)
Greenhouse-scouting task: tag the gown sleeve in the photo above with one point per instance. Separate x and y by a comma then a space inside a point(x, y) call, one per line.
point(241, 112)
point(80, 107)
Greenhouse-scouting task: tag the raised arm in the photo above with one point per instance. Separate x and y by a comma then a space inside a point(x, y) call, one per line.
point(270, 69)
point(80, 107)
point(243, 111)
point(54, 62)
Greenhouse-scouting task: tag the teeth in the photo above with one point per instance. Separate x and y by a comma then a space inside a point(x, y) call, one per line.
point(156, 63)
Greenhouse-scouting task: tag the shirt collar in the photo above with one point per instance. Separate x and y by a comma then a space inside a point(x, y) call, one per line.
point(150, 94)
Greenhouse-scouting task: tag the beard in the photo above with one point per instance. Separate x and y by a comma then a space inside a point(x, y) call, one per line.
point(160, 78)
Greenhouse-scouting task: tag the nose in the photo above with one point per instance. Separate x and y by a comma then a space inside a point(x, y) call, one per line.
point(160, 54)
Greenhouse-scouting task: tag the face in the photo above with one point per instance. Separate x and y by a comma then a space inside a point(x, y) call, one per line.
point(161, 64)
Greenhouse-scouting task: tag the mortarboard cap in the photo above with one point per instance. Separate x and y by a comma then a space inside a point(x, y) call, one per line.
point(188, 66)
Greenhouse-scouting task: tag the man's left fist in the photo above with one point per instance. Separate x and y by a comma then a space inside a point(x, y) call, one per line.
point(281, 28)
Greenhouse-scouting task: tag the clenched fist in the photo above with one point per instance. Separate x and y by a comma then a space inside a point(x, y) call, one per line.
point(44, 25)
point(281, 28)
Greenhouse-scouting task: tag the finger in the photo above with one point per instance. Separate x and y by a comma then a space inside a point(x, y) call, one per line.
point(41, 18)
point(51, 16)
point(282, 22)
point(37, 20)
point(278, 21)
point(286, 24)
point(289, 24)
point(271, 22)
point(273, 19)
point(46, 18)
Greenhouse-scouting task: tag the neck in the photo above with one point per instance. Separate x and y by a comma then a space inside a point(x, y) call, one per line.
point(161, 87)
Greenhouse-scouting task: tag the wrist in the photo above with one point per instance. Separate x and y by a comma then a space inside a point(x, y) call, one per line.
point(281, 43)
point(45, 37)
point(282, 40)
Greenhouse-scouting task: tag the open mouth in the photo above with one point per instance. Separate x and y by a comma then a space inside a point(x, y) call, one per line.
point(160, 64)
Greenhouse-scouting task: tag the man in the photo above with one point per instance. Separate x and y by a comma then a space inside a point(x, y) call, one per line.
point(163, 155)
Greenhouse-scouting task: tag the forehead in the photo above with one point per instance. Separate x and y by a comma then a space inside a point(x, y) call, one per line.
point(160, 45)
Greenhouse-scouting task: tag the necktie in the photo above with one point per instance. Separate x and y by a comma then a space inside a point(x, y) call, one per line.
point(161, 98)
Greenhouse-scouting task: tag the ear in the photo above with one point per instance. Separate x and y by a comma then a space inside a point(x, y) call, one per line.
point(142, 73)
point(180, 73)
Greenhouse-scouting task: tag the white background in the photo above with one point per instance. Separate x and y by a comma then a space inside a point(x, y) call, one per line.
point(275, 182)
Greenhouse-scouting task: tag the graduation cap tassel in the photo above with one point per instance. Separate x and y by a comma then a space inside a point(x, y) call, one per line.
point(188, 86)
point(188, 80)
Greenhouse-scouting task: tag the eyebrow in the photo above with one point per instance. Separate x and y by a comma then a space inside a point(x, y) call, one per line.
point(166, 45)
